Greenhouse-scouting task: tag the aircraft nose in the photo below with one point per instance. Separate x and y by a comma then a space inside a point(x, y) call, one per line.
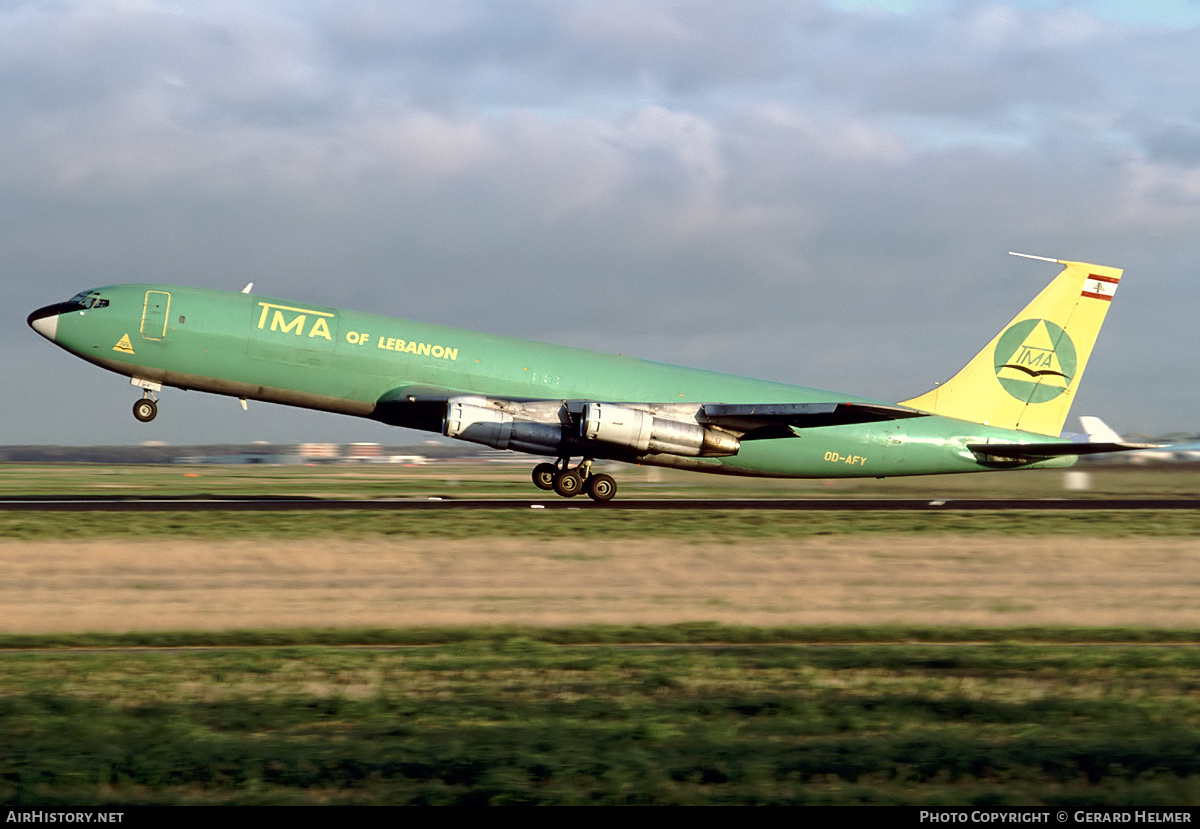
point(45, 320)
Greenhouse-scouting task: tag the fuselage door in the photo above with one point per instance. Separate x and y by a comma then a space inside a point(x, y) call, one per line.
point(894, 441)
point(154, 315)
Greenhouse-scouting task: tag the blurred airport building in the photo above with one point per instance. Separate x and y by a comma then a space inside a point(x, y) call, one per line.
point(1177, 449)
point(255, 453)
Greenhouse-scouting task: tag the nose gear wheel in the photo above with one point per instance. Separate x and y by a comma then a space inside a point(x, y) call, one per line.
point(145, 410)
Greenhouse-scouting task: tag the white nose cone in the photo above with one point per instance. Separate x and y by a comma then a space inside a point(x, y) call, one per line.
point(46, 326)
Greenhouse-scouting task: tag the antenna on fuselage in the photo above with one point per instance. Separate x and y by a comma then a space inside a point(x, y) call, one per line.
point(249, 285)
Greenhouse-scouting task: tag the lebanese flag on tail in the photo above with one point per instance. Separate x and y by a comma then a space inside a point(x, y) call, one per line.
point(1100, 287)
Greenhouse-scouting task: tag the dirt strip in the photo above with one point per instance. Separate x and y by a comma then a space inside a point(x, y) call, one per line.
point(933, 580)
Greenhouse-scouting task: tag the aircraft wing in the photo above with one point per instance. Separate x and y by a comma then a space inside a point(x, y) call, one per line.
point(1053, 450)
point(405, 405)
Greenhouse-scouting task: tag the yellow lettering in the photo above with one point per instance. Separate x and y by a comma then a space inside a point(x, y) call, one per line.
point(320, 329)
point(277, 324)
point(444, 352)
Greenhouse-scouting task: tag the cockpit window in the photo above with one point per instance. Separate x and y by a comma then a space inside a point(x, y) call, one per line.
point(89, 299)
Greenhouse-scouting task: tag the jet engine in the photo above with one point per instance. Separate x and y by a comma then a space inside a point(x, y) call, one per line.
point(567, 430)
point(466, 419)
point(642, 431)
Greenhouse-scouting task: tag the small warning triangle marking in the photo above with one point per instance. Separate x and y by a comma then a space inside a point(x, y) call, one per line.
point(123, 345)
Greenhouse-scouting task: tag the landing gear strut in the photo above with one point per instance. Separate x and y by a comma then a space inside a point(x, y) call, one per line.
point(569, 482)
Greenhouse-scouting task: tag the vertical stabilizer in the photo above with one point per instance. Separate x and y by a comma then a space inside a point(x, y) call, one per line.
point(1027, 375)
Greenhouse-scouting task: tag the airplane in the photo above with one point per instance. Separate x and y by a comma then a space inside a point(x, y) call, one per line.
point(1100, 432)
point(1004, 410)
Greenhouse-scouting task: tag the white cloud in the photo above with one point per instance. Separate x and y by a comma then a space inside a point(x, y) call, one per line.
point(789, 174)
point(624, 22)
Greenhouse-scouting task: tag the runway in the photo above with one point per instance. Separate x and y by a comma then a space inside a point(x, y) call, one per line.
point(738, 504)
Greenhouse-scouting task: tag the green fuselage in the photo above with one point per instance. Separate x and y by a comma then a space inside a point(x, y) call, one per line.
point(398, 372)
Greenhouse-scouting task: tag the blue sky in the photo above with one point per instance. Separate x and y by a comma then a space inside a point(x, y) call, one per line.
point(820, 193)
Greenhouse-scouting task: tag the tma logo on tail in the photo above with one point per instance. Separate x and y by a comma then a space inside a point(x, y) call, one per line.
point(1035, 360)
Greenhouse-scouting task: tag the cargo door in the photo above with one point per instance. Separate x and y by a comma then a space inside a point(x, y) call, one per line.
point(154, 315)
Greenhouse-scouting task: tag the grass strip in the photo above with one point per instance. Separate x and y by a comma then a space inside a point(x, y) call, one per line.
point(697, 525)
point(687, 633)
point(506, 718)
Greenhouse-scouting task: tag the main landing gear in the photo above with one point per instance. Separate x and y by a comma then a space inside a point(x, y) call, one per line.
point(569, 482)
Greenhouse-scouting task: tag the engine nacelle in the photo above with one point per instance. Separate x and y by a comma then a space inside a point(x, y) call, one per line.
point(466, 419)
point(609, 423)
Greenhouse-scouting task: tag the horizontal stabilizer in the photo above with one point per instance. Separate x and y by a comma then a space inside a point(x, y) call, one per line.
point(1098, 431)
point(746, 416)
point(1053, 450)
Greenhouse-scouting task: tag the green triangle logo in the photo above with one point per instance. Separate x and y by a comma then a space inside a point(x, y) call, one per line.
point(1035, 360)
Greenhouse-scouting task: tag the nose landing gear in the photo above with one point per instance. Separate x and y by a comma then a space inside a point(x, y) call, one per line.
point(569, 482)
point(145, 409)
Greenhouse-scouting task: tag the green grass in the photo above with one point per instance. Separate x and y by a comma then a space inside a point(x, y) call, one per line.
point(1030, 718)
point(698, 525)
point(685, 633)
point(19, 480)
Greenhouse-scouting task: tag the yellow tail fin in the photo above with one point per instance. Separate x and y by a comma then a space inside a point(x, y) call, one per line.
point(1027, 375)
